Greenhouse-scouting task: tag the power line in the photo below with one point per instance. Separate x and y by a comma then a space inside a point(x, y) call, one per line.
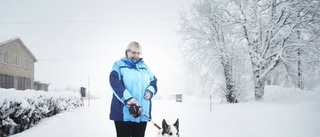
point(70, 59)
point(84, 21)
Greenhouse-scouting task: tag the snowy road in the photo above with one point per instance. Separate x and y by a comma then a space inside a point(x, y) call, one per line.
point(251, 119)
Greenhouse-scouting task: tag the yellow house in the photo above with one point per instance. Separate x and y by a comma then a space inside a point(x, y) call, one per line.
point(17, 66)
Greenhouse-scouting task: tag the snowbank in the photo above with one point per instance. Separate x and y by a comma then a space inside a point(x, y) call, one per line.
point(282, 94)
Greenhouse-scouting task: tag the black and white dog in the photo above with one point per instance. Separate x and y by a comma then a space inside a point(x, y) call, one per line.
point(169, 130)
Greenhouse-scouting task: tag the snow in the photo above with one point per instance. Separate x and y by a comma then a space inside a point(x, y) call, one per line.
point(284, 112)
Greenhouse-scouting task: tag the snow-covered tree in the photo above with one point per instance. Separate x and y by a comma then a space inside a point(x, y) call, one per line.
point(277, 36)
point(273, 31)
point(212, 50)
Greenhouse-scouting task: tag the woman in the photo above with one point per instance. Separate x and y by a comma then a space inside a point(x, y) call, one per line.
point(133, 84)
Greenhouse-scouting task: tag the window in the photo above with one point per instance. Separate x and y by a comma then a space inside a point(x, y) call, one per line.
point(25, 63)
point(15, 60)
point(6, 81)
point(4, 57)
point(43, 87)
point(24, 83)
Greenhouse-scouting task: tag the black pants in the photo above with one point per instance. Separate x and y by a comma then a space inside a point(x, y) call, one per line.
point(130, 129)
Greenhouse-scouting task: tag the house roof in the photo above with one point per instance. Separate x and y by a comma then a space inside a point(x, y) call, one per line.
point(22, 45)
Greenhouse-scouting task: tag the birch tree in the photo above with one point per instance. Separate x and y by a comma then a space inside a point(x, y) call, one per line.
point(276, 34)
point(305, 41)
point(270, 28)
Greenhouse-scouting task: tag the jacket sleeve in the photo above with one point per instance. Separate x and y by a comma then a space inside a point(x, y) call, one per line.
point(117, 85)
point(153, 83)
point(153, 86)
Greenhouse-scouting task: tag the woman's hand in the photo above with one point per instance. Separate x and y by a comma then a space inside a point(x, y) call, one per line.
point(147, 95)
point(132, 101)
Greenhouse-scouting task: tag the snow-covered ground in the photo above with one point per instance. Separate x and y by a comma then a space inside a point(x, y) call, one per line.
point(283, 113)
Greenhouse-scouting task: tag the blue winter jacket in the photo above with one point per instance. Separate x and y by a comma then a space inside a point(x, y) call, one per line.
point(131, 79)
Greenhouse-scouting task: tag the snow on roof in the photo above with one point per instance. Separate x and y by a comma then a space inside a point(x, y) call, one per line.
point(21, 43)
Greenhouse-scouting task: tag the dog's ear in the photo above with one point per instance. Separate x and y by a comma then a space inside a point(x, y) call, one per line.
point(165, 127)
point(176, 124)
point(164, 124)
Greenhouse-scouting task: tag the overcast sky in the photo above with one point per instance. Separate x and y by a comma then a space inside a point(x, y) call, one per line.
point(77, 39)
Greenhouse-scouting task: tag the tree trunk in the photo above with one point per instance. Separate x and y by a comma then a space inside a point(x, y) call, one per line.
point(259, 84)
point(230, 84)
point(300, 83)
point(231, 96)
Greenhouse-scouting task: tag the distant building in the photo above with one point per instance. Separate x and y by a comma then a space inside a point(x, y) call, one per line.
point(17, 66)
point(41, 86)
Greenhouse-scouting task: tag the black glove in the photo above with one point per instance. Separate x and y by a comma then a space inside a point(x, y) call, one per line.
point(134, 110)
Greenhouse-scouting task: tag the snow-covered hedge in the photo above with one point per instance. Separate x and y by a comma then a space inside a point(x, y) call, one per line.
point(20, 110)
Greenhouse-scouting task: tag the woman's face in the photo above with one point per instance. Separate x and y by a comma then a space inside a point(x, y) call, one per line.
point(134, 54)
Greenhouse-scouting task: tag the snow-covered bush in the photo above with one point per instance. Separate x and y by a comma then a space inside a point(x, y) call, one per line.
point(20, 110)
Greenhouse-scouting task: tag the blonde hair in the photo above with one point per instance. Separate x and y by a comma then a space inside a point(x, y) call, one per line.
point(133, 45)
